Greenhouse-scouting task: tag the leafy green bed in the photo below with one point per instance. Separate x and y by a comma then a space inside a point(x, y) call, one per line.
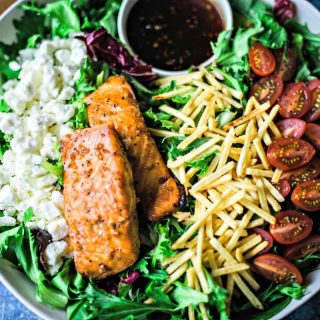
point(119, 297)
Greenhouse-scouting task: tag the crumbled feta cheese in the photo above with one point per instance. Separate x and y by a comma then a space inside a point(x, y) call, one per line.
point(53, 255)
point(57, 199)
point(63, 56)
point(40, 100)
point(46, 181)
point(7, 197)
point(66, 94)
point(22, 143)
point(7, 221)
point(61, 112)
point(58, 228)
point(49, 149)
point(9, 122)
point(14, 102)
point(49, 211)
point(9, 85)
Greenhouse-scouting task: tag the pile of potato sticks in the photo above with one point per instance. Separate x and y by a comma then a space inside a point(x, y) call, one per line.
point(235, 193)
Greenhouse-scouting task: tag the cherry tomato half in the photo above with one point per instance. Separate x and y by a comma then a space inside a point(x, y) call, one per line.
point(276, 269)
point(313, 84)
point(283, 187)
point(291, 227)
point(295, 101)
point(312, 134)
point(266, 236)
point(290, 153)
point(292, 128)
point(313, 113)
point(306, 195)
point(306, 173)
point(302, 249)
point(262, 60)
point(268, 89)
point(286, 64)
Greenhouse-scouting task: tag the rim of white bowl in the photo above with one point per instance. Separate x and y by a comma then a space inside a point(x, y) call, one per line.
point(223, 7)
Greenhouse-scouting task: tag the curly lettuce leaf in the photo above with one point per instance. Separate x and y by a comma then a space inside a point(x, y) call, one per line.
point(63, 18)
point(163, 249)
point(18, 245)
point(83, 86)
point(274, 298)
point(203, 162)
point(161, 120)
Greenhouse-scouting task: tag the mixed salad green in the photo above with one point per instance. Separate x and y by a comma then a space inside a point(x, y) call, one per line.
point(123, 296)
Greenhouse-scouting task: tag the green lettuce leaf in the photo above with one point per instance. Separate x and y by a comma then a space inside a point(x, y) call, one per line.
point(203, 163)
point(21, 240)
point(83, 86)
point(161, 120)
point(185, 296)
point(163, 249)
point(63, 18)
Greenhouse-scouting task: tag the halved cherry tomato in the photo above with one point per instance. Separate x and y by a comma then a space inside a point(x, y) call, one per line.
point(312, 134)
point(291, 227)
point(302, 249)
point(262, 60)
point(313, 113)
point(306, 173)
point(286, 64)
point(290, 153)
point(266, 236)
point(295, 101)
point(306, 195)
point(276, 269)
point(283, 187)
point(313, 84)
point(292, 128)
point(268, 89)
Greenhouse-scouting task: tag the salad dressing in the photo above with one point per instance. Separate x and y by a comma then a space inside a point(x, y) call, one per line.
point(173, 34)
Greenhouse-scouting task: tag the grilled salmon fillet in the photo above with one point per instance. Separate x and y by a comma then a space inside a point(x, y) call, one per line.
point(100, 202)
point(114, 104)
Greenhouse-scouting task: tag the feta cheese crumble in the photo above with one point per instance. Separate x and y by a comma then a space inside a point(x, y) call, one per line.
point(39, 100)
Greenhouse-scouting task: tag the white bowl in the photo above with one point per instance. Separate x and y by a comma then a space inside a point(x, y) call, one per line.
point(223, 7)
point(18, 284)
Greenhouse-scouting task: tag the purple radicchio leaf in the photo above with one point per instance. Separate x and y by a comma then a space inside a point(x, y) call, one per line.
point(43, 239)
point(284, 10)
point(101, 46)
point(132, 277)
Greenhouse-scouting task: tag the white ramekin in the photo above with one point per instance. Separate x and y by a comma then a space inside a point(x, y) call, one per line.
point(222, 5)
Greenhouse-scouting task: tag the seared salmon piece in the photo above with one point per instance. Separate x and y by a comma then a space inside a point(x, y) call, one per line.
point(100, 202)
point(114, 104)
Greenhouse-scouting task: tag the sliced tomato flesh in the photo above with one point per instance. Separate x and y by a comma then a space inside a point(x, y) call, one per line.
point(295, 101)
point(276, 269)
point(291, 227)
point(268, 89)
point(283, 186)
point(314, 112)
point(312, 134)
point(304, 248)
point(290, 153)
point(262, 60)
point(292, 128)
point(306, 195)
point(309, 172)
